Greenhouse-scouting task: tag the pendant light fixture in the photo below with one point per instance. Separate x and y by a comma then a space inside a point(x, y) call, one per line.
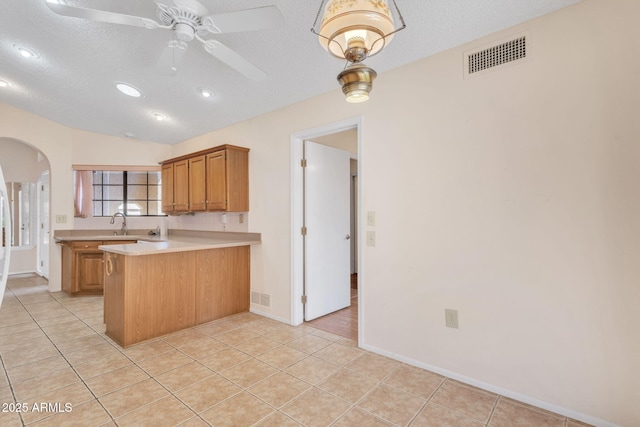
point(355, 30)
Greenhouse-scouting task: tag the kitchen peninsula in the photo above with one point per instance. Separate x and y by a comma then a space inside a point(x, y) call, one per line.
point(155, 288)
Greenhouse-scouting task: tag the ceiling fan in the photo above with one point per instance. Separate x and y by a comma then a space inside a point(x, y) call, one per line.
point(188, 20)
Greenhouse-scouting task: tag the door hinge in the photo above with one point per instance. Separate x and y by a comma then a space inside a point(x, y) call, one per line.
point(303, 231)
point(303, 163)
point(304, 299)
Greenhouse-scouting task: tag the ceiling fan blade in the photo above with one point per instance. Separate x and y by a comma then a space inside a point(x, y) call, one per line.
point(171, 57)
point(261, 18)
point(193, 5)
point(234, 60)
point(102, 16)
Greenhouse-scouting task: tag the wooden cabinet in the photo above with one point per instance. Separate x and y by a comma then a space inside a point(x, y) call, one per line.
point(152, 295)
point(216, 179)
point(222, 283)
point(175, 182)
point(167, 187)
point(197, 182)
point(83, 266)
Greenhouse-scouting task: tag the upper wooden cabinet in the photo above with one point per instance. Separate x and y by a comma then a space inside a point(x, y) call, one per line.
point(175, 178)
point(197, 184)
point(216, 179)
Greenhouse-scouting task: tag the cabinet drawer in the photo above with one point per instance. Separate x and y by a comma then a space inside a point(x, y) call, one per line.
point(87, 245)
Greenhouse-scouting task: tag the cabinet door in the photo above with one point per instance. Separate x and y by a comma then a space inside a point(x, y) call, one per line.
point(181, 186)
point(89, 271)
point(114, 300)
point(216, 181)
point(197, 176)
point(67, 268)
point(237, 176)
point(167, 188)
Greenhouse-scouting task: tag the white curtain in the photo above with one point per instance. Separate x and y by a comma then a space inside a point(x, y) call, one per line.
point(83, 193)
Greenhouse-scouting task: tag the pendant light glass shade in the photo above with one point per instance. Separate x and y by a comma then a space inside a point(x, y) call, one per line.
point(355, 29)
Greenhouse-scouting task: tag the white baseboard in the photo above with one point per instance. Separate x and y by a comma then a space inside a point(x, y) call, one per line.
point(18, 273)
point(494, 389)
point(270, 316)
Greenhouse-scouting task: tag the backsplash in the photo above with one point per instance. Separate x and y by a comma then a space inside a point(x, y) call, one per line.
point(210, 221)
point(206, 221)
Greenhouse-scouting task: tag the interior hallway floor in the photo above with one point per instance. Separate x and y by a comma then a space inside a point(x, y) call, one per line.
point(244, 370)
point(342, 322)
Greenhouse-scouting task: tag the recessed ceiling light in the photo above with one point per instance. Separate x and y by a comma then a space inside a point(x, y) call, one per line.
point(207, 93)
point(56, 1)
point(130, 135)
point(158, 116)
point(4, 83)
point(127, 89)
point(26, 53)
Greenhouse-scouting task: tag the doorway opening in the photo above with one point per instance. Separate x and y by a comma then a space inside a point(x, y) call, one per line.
point(305, 267)
point(27, 171)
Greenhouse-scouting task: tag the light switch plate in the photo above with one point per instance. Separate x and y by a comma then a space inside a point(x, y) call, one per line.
point(61, 219)
point(371, 219)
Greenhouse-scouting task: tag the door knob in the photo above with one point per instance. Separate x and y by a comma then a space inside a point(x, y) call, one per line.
point(348, 236)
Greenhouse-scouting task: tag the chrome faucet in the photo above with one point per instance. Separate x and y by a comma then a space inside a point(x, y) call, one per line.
point(123, 229)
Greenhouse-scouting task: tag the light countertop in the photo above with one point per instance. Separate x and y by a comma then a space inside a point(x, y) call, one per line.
point(175, 241)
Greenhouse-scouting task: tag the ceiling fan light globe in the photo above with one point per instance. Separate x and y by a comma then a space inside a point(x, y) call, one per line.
point(365, 20)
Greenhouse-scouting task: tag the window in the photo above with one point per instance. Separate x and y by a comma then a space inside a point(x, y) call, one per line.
point(132, 193)
point(103, 192)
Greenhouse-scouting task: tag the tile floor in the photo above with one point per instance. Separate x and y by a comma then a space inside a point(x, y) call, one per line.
point(244, 370)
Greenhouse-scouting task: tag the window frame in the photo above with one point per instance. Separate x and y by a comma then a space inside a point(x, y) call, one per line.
point(126, 200)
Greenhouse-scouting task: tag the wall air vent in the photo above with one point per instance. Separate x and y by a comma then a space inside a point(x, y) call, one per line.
point(260, 299)
point(515, 49)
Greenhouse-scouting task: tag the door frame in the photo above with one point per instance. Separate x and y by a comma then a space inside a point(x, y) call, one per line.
point(297, 199)
point(43, 224)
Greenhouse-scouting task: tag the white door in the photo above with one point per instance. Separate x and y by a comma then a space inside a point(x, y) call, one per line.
point(43, 225)
point(5, 235)
point(327, 182)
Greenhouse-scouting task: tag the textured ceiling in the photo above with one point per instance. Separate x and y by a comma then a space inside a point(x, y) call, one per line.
point(79, 61)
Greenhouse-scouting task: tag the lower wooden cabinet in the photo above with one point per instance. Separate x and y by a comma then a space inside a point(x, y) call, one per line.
point(152, 295)
point(83, 266)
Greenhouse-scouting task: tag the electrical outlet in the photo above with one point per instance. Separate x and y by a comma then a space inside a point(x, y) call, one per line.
point(371, 238)
point(61, 219)
point(451, 318)
point(241, 219)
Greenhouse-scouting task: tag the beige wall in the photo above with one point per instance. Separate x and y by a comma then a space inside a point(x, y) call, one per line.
point(511, 197)
point(346, 140)
point(63, 146)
